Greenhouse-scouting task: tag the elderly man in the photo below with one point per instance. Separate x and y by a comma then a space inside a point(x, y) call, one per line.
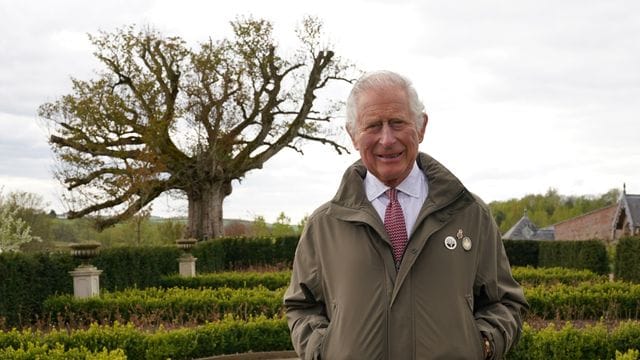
point(404, 262)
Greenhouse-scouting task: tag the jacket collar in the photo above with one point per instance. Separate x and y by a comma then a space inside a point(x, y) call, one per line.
point(443, 186)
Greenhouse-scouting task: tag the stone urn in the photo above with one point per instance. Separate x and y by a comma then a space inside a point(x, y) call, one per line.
point(187, 262)
point(86, 278)
point(186, 244)
point(84, 252)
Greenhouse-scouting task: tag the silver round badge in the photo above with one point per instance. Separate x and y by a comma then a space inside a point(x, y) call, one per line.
point(450, 242)
point(466, 243)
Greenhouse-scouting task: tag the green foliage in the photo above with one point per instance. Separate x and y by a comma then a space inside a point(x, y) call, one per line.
point(548, 209)
point(609, 300)
point(522, 252)
point(125, 267)
point(591, 254)
point(232, 253)
point(155, 306)
point(529, 276)
point(234, 280)
point(627, 266)
point(14, 231)
point(27, 280)
point(58, 352)
point(227, 336)
point(571, 343)
point(631, 354)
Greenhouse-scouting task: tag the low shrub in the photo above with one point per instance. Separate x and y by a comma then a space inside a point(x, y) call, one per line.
point(227, 336)
point(234, 280)
point(529, 276)
point(154, 306)
point(589, 301)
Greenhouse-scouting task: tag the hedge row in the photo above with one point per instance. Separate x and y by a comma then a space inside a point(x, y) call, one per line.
point(58, 352)
point(155, 306)
point(627, 264)
point(529, 276)
point(591, 254)
point(262, 334)
point(227, 336)
point(183, 306)
point(26, 280)
point(572, 343)
point(272, 280)
point(611, 300)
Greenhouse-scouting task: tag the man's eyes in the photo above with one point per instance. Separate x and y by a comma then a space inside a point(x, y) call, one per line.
point(394, 124)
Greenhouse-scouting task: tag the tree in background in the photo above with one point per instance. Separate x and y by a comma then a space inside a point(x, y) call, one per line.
point(162, 117)
point(548, 209)
point(14, 231)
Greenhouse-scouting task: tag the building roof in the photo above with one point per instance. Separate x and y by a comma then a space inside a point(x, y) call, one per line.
point(524, 229)
point(632, 206)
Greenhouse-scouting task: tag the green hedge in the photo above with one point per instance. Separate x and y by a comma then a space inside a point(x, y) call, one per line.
point(27, 279)
point(522, 252)
point(227, 336)
point(627, 266)
point(233, 253)
point(610, 300)
point(590, 254)
point(572, 343)
point(235, 280)
point(529, 276)
point(231, 336)
point(155, 306)
point(58, 352)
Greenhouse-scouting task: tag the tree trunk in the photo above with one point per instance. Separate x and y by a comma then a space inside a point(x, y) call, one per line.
point(205, 211)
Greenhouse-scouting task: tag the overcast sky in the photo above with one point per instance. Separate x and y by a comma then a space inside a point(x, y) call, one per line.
point(522, 96)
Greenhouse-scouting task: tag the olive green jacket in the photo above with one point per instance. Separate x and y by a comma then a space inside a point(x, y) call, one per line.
point(347, 301)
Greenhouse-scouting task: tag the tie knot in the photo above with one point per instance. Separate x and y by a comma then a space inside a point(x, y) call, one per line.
point(392, 193)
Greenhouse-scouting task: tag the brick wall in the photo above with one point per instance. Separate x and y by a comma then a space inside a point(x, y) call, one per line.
point(597, 224)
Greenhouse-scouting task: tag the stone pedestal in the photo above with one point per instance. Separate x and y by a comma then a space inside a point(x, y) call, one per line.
point(187, 265)
point(86, 281)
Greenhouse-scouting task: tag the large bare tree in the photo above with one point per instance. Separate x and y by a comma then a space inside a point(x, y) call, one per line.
point(163, 117)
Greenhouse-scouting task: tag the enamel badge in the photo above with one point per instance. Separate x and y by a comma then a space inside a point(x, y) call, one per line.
point(466, 243)
point(450, 242)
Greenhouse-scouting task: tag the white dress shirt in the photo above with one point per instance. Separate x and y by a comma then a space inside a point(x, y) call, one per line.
point(412, 192)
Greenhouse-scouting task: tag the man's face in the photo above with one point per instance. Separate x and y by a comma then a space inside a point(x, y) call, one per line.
point(385, 134)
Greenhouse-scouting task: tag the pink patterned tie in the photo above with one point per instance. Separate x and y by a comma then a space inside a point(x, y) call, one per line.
point(395, 226)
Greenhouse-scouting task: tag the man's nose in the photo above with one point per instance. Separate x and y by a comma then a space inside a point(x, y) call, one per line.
point(387, 136)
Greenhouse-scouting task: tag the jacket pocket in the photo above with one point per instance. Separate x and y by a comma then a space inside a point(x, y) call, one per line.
point(329, 333)
point(474, 327)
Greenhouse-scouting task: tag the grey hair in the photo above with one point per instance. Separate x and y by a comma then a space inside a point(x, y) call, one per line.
point(382, 79)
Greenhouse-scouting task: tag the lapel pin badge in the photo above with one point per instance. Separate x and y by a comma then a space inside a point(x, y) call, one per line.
point(450, 242)
point(466, 243)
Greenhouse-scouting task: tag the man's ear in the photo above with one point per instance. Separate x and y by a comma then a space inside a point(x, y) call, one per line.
point(353, 139)
point(423, 128)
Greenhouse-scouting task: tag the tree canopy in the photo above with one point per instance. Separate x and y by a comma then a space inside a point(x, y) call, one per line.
point(162, 116)
point(548, 209)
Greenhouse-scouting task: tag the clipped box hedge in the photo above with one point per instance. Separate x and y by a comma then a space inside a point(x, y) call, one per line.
point(572, 343)
point(529, 276)
point(590, 301)
point(227, 336)
point(272, 280)
point(58, 352)
point(231, 336)
point(155, 306)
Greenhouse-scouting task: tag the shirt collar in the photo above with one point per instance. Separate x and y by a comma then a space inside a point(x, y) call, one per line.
point(410, 185)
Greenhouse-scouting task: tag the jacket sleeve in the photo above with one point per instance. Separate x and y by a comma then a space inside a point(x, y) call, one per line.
point(499, 303)
point(304, 301)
